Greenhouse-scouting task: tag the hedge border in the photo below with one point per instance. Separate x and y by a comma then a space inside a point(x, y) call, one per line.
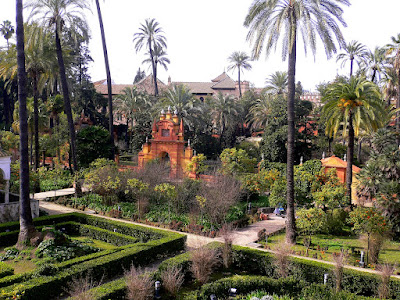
point(109, 265)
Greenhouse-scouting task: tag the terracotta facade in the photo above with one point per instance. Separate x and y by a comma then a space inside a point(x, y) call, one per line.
point(167, 144)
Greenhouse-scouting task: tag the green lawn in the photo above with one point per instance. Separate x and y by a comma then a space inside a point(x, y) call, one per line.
point(323, 246)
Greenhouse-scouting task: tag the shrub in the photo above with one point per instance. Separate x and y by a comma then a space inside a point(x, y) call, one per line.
point(91, 143)
point(139, 284)
point(5, 270)
point(81, 288)
point(339, 260)
point(384, 286)
point(282, 252)
point(227, 234)
point(203, 259)
point(172, 279)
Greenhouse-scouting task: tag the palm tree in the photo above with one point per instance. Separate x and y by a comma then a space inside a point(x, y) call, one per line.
point(375, 63)
point(394, 50)
point(130, 102)
point(277, 83)
point(160, 57)
point(58, 14)
point(351, 106)
point(150, 36)
point(109, 85)
point(224, 109)
point(240, 61)
point(7, 30)
point(353, 51)
point(27, 229)
point(259, 112)
point(266, 20)
point(182, 100)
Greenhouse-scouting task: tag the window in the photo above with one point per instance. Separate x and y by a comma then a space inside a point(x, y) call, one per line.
point(164, 132)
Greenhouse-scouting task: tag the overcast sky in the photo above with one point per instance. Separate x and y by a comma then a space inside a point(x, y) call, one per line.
point(202, 34)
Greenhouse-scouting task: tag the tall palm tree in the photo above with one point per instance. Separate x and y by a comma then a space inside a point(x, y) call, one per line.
point(351, 106)
point(375, 63)
point(27, 229)
point(394, 50)
point(240, 61)
point(267, 20)
point(57, 14)
point(353, 51)
point(109, 84)
point(277, 83)
point(160, 58)
point(150, 36)
point(7, 30)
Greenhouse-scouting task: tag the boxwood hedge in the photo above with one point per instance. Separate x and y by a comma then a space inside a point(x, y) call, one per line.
point(102, 265)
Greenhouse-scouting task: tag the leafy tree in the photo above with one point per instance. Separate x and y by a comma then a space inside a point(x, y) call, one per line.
point(354, 104)
point(150, 36)
point(310, 221)
point(353, 51)
point(266, 20)
point(59, 14)
point(379, 178)
point(92, 143)
point(7, 30)
point(27, 229)
point(370, 221)
point(239, 61)
point(235, 162)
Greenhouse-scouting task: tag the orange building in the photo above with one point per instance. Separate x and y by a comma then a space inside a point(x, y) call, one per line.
point(340, 165)
point(167, 144)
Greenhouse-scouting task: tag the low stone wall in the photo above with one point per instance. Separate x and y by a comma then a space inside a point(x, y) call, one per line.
point(10, 211)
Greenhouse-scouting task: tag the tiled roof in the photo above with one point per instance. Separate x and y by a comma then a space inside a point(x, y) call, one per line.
point(220, 77)
point(198, 87)
point(336, 162)
point(146, 84)
point(226, 84)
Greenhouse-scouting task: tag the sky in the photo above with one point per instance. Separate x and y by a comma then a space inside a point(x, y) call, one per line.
point(201, 35)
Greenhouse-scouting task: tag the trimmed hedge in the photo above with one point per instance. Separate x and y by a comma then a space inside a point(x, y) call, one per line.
point(289, 286)
point(361, 283)
point(5, 270)
point(114, 238)
point(247, 284)
point(106, 264)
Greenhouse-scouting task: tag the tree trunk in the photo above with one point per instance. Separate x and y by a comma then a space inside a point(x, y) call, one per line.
point(351, 67)
point(6, 100)
point(359, 148)
point(291, 221)
point(154, 67)
point(67, 102)
point(27, 229)
point(398, 107)
point(36, 121)
point(240, 89)
point(350, 155)
point(109, 85)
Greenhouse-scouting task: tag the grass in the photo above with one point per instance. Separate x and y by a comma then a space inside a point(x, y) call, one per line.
point(323, 246)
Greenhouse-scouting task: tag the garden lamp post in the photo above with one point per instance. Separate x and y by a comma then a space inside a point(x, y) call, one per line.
point(326, 275)
point(362, 263)
point(232, 292)
point(157, 288)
